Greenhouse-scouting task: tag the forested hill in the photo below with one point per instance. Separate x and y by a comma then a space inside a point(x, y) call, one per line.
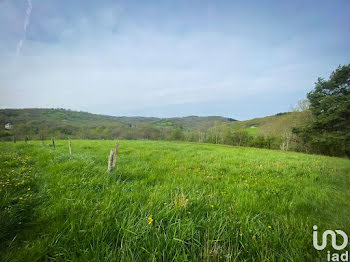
point(62, 123)
point(268, 132)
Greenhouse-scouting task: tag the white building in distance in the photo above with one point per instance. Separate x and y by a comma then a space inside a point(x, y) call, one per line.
point(8, 126)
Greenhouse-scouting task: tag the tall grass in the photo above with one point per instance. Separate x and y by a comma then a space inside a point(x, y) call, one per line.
point(167, 201)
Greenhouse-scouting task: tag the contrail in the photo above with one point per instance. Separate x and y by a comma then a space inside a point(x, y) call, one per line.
point(26, 23)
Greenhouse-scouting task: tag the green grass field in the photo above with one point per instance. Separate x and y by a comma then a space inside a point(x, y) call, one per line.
point(167, 201)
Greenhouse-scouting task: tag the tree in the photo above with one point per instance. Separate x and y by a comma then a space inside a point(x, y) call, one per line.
point(302, 106)
point(176, 134)
point(216, 133)
point(240, 137)
point(329, 130)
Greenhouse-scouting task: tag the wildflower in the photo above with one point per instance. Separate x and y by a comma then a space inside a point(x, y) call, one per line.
point(212, 206)
point(150, 220)
point(28, 188)
point(241, 234)
point(20, 198)
point(269, 226)
point(186, 199)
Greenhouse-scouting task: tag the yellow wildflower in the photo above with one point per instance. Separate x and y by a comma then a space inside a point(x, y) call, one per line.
point(150, 220)
point(269, 226)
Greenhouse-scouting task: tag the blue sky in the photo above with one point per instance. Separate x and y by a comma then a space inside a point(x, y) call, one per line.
point(240, 59)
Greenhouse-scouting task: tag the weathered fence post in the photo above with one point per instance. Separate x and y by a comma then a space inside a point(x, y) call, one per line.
point(115, 153)
point(53, 142)
point(14, 139)
point(110, 161)
point(70, 147)
point(26, 139)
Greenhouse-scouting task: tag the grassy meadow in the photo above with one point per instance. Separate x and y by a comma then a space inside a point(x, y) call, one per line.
point(167, 201)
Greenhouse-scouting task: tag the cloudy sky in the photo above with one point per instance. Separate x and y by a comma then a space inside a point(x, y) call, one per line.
point(240, 59)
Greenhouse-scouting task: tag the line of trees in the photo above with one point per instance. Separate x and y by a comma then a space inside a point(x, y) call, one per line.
point(219, 133)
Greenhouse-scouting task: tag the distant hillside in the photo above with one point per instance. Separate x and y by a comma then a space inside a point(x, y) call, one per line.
point(38, 116)
point(272, 132)
point(60, 122)
point(273, 125)
point(57, 116)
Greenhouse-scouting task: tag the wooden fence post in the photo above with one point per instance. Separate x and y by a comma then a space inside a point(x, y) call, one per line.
point(70, 147)
point(110, 161)
point(26, 139)
point(115, 153)
point(53, 142)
